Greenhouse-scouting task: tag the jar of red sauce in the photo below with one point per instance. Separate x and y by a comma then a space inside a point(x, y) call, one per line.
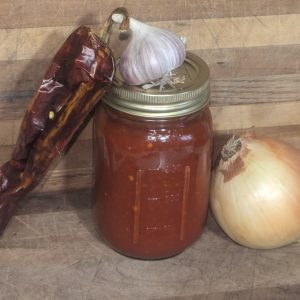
point(152, 155)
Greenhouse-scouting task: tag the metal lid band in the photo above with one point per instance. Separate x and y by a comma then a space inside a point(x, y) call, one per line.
point(189, 94)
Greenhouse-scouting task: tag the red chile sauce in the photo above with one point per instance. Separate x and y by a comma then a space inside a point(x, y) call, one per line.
point(151, 180)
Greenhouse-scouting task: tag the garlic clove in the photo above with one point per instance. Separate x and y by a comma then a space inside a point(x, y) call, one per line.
point(150, 54)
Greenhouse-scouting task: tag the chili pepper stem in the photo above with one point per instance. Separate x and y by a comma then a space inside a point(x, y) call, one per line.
point(123, 27)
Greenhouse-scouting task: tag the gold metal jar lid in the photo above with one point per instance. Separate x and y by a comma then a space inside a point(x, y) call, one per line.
point(186, 91)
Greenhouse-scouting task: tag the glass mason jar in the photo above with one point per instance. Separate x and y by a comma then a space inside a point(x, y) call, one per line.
point(152, 156)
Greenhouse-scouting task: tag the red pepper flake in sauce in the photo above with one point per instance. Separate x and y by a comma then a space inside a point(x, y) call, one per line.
point(131, 178)
point(149, 146)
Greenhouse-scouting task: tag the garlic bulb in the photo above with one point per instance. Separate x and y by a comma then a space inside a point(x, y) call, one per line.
point(255, 192)
point(150, 54)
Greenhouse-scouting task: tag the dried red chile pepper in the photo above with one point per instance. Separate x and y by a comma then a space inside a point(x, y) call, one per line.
point(76, 79)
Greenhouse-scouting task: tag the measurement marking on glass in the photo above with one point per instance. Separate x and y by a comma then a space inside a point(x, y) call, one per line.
point(187, 173)
point(137, 207)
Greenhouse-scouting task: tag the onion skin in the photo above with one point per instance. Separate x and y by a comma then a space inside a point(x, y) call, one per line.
point(255, 194)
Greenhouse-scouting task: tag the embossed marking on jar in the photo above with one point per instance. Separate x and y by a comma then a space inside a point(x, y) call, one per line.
point(137, 207)
point(187, 173)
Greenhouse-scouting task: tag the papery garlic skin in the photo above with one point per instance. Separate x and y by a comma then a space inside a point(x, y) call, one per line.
point(255, 194)
point(151, 54)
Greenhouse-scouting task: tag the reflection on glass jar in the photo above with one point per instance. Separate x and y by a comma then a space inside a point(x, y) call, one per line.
point(152, 156)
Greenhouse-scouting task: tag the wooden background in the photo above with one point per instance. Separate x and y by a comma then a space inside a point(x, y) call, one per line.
point(50, 250)
point(252, 48)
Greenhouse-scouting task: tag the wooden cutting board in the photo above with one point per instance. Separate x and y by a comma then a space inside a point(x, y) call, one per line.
point(51, 251)
point(252, 48)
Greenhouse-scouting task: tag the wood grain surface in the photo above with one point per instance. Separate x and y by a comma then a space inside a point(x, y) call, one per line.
point(40, 13)
point(251, 47)
point(51, 251)
point(254, 31)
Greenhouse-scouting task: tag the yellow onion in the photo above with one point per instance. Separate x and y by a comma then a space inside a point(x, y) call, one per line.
point(255, 192)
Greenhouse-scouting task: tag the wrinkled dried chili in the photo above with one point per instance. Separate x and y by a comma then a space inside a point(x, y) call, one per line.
point(76, 79)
